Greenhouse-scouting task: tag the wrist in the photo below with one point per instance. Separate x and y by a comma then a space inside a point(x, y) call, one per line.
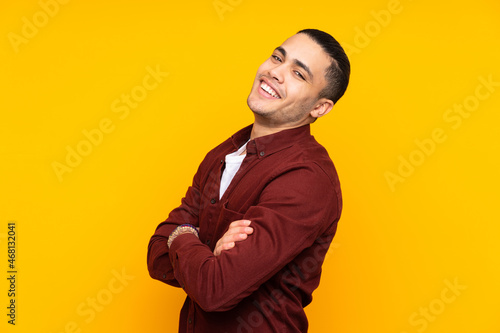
point(182, 229)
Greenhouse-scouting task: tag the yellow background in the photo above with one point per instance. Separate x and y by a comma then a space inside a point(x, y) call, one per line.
point(398, 246)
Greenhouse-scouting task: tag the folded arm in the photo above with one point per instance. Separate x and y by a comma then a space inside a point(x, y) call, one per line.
point(289, 217)
point(158, 260)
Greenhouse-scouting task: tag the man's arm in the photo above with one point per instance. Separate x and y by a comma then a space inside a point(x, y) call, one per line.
point(289, 217)
point(159, 264)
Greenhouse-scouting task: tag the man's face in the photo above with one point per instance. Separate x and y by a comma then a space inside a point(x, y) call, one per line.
point(287, 85)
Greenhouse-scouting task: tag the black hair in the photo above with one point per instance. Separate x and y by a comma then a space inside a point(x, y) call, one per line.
point(337, 74)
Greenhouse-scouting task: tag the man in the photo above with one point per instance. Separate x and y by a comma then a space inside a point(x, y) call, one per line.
point(249, 238)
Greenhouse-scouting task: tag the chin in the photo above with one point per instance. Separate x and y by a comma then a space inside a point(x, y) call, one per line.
point(252, 102)
point(256, 106)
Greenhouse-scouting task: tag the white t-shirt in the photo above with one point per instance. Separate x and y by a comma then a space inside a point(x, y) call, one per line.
point(233, 163)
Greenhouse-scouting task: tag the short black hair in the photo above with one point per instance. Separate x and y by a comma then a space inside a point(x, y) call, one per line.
point(337, 74)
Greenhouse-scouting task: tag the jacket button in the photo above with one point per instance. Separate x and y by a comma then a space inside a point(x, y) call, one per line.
point(213, 201)
point(262, 153)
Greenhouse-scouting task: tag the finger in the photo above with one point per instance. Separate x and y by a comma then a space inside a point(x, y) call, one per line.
point(221, 247)
point(236, 237)
point(239, 230)
point(239, 223)
point(229, 238)
point(228, 242)
point(228, 246)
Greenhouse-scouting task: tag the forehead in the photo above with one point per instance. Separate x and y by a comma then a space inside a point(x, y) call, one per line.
point(306, 50)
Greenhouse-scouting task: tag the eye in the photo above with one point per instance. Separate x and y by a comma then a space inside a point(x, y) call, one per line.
point(299, 75)
point(275, 57)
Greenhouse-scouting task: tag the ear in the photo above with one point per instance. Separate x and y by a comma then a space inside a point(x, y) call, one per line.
point(322, 107)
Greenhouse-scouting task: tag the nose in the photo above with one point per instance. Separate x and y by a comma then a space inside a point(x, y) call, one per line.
point(276, 73)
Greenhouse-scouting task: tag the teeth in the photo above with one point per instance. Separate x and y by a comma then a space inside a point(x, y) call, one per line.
point(269, 90)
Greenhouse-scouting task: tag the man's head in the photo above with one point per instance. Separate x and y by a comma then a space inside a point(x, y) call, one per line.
point(301, 81)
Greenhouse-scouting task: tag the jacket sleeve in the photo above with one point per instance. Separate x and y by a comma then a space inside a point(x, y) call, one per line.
point(294, 209)
point(158, 261)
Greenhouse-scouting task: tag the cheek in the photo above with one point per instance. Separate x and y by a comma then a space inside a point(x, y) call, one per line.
point(296, 90)
point(302, 96)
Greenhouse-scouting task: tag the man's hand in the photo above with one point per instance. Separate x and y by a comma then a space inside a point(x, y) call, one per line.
point(238, 231)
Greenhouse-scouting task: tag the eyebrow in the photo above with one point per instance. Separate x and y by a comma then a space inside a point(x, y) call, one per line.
point(296, 61)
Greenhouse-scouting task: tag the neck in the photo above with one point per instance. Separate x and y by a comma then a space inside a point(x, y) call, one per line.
point(263, 128)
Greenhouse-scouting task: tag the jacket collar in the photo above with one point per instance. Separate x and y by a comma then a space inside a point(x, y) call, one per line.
point(269, 144)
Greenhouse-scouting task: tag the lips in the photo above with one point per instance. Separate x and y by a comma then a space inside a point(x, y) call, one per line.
point(267, 88)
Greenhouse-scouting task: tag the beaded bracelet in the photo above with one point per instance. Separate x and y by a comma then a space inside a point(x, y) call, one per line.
point(182, 229)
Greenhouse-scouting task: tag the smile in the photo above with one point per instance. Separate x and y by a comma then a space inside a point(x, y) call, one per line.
point(269, 90)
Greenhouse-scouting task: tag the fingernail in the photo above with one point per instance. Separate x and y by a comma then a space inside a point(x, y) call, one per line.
point(246, 222)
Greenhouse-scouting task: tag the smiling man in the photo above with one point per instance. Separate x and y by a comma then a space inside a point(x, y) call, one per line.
point(249, 238)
